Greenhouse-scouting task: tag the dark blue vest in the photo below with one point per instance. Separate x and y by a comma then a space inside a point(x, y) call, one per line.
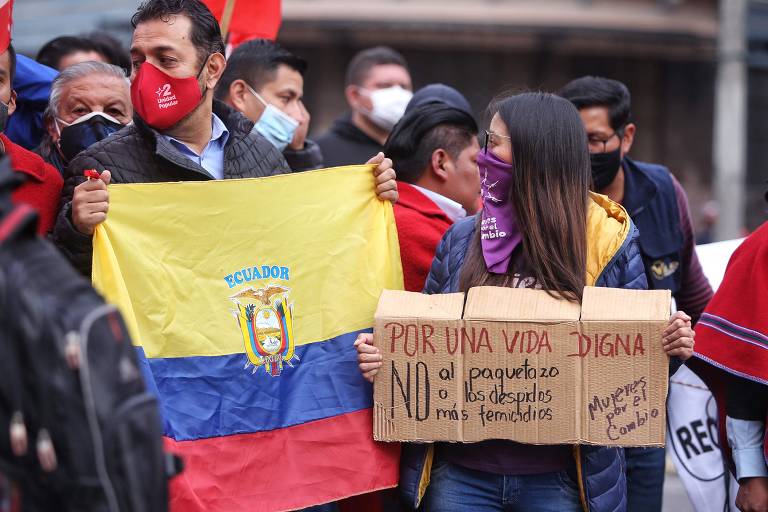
point(650, 200)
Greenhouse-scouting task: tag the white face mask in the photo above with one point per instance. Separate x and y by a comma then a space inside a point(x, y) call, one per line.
point(83, 119)
point(388, 106)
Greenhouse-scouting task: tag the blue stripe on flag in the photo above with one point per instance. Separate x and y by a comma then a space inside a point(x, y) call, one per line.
point(210, 396)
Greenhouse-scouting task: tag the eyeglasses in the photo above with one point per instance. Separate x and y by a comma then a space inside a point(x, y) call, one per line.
point(495, 139)
point(599, 145)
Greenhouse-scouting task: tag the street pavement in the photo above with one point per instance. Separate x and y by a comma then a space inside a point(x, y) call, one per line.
point(675, 498)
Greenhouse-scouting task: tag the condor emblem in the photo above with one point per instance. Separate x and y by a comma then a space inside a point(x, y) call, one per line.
point(661, 269)
point(265, 319)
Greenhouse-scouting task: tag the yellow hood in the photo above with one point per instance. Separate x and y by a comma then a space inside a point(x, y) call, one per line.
point(608, 226)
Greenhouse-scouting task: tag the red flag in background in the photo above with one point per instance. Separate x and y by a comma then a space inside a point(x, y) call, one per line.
point(251, 19)
point(6, 18)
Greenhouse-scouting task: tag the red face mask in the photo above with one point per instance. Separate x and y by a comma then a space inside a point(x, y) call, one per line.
point(162, 100)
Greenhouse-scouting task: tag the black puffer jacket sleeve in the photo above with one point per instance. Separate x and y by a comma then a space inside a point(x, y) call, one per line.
point(306, 159)
point(76, 247)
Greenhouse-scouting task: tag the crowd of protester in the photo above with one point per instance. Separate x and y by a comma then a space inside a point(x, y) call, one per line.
point(85, 103)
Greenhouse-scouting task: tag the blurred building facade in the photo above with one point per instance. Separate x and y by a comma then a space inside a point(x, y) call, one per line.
point(664, 50)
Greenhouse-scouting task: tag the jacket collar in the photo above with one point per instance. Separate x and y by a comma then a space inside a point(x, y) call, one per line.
point(238, 125)
point(608, 227)
point(21, 160)
point(413, 199)
point(639, 188)
point(55, 159)
point(345, 128)
point(452, 209)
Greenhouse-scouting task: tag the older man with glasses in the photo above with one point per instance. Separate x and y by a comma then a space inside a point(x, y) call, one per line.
point(659, 207)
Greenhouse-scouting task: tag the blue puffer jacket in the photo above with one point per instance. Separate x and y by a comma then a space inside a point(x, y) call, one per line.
point(614, 261)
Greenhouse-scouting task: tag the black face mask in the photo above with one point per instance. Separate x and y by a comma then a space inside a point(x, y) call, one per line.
point(82, 134)
point(605, 167)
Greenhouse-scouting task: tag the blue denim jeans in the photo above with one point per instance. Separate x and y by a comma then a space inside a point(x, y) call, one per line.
point(645, 479)
point(455, 488)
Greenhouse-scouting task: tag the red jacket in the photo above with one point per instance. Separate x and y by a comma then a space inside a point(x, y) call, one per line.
point(420, 226)
point(42, 185)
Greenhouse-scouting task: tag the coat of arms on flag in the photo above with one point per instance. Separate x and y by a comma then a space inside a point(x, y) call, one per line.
point(267, 328)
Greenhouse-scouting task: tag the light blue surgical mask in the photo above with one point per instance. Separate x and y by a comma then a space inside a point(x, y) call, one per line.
point(274, 124)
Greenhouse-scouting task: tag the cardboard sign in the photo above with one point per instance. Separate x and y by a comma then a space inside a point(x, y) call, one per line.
point(518, 364)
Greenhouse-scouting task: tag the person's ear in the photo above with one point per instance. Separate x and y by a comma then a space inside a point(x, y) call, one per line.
point(628, 138)
point(352, 94)
point(238, 95)
point(215, 67)
point(441, 164)
point(50, 127)
point(358, 98)
point(12, 103)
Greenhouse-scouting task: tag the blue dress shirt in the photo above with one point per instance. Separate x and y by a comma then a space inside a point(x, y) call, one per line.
point(212, 157)
point(747, 440)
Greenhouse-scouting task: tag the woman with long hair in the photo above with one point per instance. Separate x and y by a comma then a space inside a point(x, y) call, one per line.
point(540, 227)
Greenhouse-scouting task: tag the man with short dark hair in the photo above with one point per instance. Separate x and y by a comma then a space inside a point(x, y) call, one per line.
point(659, 207)
point(111, 49)
point(64, 51)
point(265, 82)
point(41, 185)
point(434, 147)
point(179, 132)
point(378, 88)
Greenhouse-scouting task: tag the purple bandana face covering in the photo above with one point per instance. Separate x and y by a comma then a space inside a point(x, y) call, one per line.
point(499, 230)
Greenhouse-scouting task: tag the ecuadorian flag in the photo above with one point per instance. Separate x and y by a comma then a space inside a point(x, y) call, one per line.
point(244, 298)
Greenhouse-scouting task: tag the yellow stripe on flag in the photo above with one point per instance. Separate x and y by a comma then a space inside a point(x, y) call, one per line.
point(170, 255)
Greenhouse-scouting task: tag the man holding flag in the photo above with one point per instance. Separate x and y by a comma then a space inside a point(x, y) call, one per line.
point(179, 132)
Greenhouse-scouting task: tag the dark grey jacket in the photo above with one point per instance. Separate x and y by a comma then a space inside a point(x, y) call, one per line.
point(138, 154)
point(307, 159)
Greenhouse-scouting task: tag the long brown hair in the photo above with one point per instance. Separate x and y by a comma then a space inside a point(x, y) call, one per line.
point(551, 177)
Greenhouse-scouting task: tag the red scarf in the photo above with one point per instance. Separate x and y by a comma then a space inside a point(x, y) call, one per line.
point(732, 333)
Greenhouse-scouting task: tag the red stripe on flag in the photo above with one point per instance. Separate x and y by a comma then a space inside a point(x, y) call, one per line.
point(296, 467)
